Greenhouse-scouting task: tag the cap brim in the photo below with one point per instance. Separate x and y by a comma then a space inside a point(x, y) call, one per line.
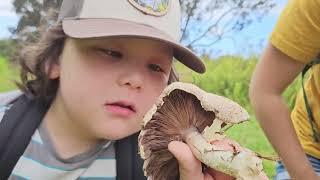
point(92, 28)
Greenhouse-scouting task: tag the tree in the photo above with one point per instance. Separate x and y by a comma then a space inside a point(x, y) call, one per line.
point(33, 13)
point(204, 22)
point(8, 48)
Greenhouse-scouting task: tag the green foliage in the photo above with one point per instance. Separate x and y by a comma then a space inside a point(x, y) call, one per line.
point(8, 48)
point(227, 76)
point(230, 76)
point(8, 75)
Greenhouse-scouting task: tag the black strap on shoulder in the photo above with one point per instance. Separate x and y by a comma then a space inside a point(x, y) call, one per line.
point(314, 127)
point(129, 162)
point(17, 127)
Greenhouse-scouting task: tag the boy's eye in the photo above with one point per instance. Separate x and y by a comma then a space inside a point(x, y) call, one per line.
point(155, 67)
point(110, 52)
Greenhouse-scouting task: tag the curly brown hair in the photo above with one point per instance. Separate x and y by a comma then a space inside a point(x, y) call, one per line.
point(36, 60)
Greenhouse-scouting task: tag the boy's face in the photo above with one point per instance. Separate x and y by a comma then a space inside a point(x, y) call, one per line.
point(107, 85)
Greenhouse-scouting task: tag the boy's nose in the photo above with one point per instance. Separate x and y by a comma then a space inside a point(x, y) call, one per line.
point(132, 78)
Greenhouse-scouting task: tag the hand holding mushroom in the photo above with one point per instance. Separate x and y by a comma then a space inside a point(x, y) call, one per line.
point(190, 168)
point(188, 114)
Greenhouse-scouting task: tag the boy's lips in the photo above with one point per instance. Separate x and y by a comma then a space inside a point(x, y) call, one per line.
point(121, 108)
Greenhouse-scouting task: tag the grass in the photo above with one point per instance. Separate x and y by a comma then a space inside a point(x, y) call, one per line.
point(250, 135)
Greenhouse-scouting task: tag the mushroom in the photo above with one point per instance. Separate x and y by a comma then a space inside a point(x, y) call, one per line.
point(186, 113)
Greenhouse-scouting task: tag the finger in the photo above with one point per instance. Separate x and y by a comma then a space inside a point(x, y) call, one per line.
point(189, 166)
point(263, 176)
point(207, 176)
point(227, 144)
point(219, 175)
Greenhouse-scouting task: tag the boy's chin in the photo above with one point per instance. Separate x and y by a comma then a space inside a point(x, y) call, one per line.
point(118, 135)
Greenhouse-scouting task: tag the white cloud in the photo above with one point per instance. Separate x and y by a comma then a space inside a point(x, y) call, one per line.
point(6, 9)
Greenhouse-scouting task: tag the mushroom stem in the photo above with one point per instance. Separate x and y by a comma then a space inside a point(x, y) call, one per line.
point(210, 133)
point(187, 132)
point(243, 164)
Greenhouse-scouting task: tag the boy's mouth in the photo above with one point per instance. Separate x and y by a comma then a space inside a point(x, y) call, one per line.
point(124, 105)
point(121, 108)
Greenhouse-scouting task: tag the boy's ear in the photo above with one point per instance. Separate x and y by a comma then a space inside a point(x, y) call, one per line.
point(53, 70)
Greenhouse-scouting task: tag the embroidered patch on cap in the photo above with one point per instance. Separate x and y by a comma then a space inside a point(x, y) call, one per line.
point(151, 7)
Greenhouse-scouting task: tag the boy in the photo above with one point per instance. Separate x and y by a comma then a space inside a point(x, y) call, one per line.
point(86, 86)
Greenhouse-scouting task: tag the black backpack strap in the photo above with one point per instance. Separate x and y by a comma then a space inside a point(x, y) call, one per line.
point(17, 127)
point(314, 127)
point(129, 162)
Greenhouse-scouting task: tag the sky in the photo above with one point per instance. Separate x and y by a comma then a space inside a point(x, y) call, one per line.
point(8, 18)
point(254, 38)
point(248, 42)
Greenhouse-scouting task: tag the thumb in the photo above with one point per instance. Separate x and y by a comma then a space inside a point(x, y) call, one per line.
point(189, 167)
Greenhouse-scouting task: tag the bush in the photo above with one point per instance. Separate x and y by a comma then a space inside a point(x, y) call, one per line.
point(8, 75)
point(230, 76)
point(8, 48)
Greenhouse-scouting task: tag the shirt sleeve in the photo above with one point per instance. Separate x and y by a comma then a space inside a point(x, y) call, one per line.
point(297, 32)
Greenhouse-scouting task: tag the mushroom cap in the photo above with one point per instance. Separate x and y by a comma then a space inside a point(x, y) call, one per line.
point(225, 109)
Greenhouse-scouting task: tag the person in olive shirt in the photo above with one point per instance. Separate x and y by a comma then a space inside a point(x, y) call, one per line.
point(294, 43)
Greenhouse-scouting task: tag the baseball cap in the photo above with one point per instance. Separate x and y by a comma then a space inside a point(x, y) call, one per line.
point(151, 19)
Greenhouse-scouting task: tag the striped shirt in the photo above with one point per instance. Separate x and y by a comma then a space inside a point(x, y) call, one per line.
point(40, 160)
